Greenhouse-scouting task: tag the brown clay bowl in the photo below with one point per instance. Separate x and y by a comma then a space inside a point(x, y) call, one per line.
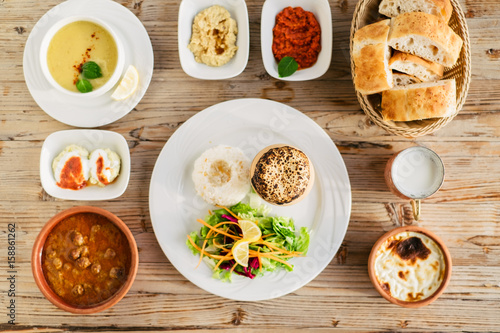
point(309, 185)
point(37, 270)
point(388, 296)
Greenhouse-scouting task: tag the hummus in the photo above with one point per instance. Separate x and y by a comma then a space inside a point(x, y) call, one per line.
point(213, 41)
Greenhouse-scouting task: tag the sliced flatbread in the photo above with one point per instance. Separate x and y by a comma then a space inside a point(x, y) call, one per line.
point(371, 56)
point(440, 8)
point(401, 79)
point(426, 36)
point(423, 69)
point(420, 101)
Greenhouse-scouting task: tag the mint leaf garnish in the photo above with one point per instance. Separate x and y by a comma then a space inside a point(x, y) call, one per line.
point(91, 70)
point(287, 66)
point(84, 86)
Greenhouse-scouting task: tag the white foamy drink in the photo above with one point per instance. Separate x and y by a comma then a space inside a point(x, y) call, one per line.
point(417, 172)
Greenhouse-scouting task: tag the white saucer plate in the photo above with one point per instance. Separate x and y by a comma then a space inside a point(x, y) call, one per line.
point(90, 140)
point(238, 10)
point(251, 125)
point(100, 110)
point(322, 12)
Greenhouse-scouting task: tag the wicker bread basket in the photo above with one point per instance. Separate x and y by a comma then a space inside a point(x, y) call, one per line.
point(366, 12)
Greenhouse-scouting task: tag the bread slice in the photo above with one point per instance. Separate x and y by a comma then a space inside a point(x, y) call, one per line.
point(420, 101)
point(401, 79)
point(423, 69)
point(426, 36)
point(440, 8)
point(371, 56)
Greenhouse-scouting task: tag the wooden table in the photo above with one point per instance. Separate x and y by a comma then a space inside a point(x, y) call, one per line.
point(465, 213)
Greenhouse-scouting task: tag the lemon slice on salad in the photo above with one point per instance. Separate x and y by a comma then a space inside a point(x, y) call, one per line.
point(240, 252)
point(128, 85)
point(251, 231)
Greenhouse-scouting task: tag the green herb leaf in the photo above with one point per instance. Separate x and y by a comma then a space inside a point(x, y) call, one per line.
point(84, 86)
point(287, 66)
point(91, 70)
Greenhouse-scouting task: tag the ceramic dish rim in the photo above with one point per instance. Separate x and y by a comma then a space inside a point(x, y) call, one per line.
point(447, 261)
point(55, 28)
point(111, 191)
point(237, 64)
point(36, 259)
point(269, 11)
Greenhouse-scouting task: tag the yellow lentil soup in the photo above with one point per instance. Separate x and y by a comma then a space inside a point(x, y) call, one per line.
point(77, 43)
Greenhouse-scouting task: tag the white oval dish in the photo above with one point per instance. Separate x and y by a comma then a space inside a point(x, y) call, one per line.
point(90, 140)
point(45, 46)
point(322, 12)
point(238, 10)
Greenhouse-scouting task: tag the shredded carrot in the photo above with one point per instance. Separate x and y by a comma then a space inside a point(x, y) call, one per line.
point(225, 222)
point(227, 230)
point(213, 229)
point(220, 246)
point(232, 232)
point(253, 254)
point(234, 266)
point(271, 246)
point(217, 230)
point(228, 256)
point(268, 235)
point(230, 212)
point(260, 261)
point(203, 248)
point(213, 256)
point(276, 258)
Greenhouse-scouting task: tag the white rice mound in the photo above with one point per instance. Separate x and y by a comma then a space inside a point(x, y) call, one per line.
point(221, 175)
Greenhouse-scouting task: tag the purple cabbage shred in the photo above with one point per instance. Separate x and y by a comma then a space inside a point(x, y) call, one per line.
point(246, 271)
point(229, 218)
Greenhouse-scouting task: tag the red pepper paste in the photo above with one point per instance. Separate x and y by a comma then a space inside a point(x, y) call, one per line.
point(100, 168)
point(297, 34)
point(72, 175)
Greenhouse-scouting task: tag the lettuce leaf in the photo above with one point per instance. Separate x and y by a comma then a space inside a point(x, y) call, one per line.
point(195, 238)
point(302, 244)
point(284, 226)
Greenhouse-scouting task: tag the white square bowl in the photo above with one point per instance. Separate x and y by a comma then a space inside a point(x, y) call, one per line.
point(322, 12)
point(187, 11)
point(90, 140)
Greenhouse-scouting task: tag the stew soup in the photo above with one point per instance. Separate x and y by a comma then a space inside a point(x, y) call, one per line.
point(86, 259)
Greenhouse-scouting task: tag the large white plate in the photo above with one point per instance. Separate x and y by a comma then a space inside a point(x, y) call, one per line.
point(250, 124)
point(100, 110)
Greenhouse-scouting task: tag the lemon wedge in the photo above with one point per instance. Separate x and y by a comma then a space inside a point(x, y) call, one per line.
point(240, 252)
point(251, 233)
point(250, 229)
point(128, 85)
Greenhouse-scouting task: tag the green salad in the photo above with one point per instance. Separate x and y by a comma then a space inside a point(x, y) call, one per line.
point(243, 239)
